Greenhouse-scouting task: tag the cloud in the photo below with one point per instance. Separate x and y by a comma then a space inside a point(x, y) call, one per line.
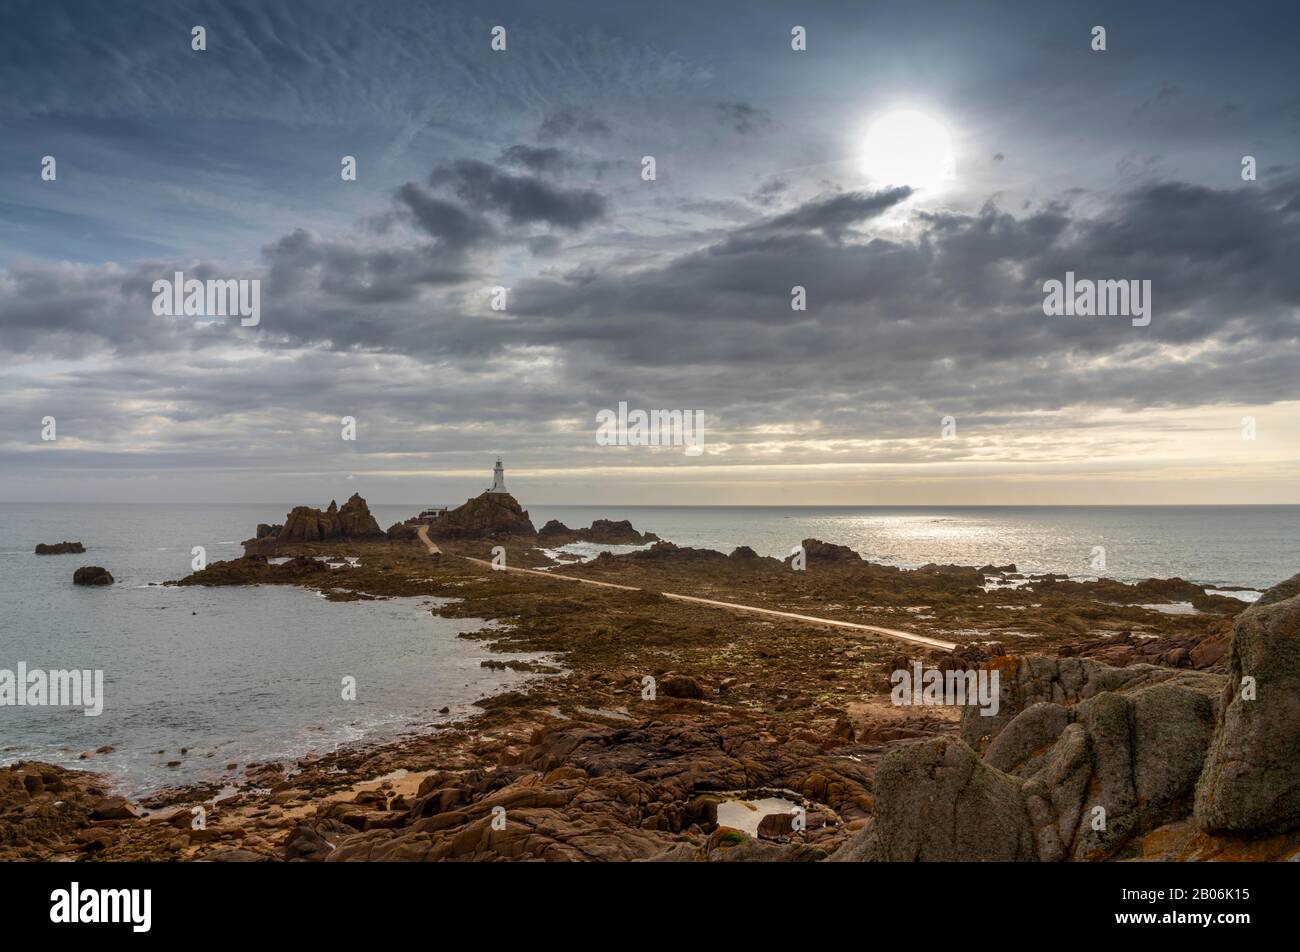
point(572, 121)
point(363, 275)
point(455, 228)
point(743, 117)
point(938, 313)
point(536, 159)
point(770, 191)
point(521, 199)
point(831, 216)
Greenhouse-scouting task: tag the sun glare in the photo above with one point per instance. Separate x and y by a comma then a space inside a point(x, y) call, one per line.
point(908, 148)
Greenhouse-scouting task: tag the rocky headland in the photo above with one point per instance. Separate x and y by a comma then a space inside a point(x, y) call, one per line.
point(1122, 731)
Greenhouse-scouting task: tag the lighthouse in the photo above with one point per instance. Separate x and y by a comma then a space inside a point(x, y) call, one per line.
point(498, 479)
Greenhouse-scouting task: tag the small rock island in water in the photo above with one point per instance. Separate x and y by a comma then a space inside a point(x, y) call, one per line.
point(59, 548)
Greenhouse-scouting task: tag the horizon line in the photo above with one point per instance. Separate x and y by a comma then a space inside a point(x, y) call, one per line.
point(620, 505)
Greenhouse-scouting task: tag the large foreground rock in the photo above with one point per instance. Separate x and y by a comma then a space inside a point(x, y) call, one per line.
point(1032, 679)
point(937, 802)
point(1251, 782)
point(1086, 760)
point(1281, 592)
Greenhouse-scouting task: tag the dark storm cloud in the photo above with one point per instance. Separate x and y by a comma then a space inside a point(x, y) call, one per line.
point(456, 229)
point(521, 199)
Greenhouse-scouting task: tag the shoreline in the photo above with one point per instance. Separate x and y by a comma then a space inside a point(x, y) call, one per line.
point(745, 703)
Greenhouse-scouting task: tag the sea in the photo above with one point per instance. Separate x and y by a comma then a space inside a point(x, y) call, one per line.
point(197, 679)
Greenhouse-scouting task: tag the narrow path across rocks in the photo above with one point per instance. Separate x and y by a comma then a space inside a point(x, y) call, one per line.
point(893, 633)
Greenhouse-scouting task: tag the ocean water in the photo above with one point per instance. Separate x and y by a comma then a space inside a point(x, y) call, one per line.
point(251, 674)
point(236, 675)
point(1217, 545)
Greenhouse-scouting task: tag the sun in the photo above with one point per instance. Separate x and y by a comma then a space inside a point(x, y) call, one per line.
point(908, 148)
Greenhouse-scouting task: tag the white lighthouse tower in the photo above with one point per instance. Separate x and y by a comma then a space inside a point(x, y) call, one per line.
point(498, 479)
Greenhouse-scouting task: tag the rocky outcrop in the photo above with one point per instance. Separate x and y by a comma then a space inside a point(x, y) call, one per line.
point(555, 532)
point(1251, 781)
point(355, 520)
point(602, 531)
point(59, 548)
point(818, 551)
point(613, 532)
point(253, 569)
point(92, 575)
point(1026, 681)
point(1152, 590)
point(486, 516)
point(43, 807)
point(1280, 592)
point(402, 532)
point(1198, 649)
point(668, 554)
point(306, 524)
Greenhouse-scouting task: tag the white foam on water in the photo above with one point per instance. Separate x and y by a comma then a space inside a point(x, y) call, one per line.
point(1171, 608)
point(1245, 596)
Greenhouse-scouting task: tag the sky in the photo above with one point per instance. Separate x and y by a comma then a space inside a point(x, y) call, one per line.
point(920, 169)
